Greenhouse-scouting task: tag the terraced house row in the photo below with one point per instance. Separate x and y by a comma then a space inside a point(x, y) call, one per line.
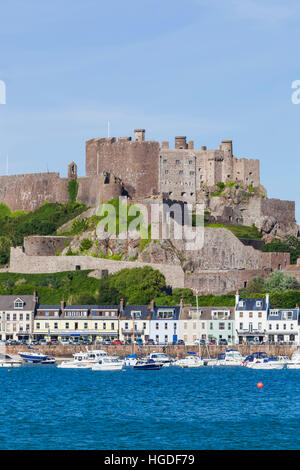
point(251, 320)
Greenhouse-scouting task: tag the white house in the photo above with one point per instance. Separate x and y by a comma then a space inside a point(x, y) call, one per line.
point(251, 319)
point(17, 316)
point(164, 324)
point(283, 326)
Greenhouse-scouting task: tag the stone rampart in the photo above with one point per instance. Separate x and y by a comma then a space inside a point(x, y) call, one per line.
point(21, 263)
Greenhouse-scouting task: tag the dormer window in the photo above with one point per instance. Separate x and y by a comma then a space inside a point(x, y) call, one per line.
point(258, 303)
point(18, 303)
point(241, 303)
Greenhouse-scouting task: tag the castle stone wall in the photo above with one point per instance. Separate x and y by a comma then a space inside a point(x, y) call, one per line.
point(28, 192)
point(21, 263)
point(45, 245)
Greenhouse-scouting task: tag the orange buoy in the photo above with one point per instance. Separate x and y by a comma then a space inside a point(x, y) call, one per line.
point(260, 385)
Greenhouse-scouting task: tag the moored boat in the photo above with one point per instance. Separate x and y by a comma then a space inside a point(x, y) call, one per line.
point(32, 357)
point(8, 361)
point(147, 364)
point(161, 358)
point(84, 359)
point(231, 357)
point(190, 361)
point(108, 363)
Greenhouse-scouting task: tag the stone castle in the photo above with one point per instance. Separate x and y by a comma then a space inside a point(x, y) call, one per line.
point(145, 171)
point(135, 167)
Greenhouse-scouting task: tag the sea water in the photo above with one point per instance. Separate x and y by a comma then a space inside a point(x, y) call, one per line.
point(43, 407)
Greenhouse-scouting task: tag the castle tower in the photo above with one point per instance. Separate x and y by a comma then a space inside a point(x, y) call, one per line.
point(227, 169)
point(139, 135)
point(72, 170)
point(180, 142)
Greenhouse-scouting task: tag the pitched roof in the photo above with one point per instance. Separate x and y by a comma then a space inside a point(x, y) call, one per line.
point(7, 302)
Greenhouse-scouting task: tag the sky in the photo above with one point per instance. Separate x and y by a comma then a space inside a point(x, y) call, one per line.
point(207, 69)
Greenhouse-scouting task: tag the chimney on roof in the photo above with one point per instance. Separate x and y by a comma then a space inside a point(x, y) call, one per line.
point(122, 305)
point(35, 297)
point(237, 298)
point(181, 303)
point(62, 304)
point(152, 305)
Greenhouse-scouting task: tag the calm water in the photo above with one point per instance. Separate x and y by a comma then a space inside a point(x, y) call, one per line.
point(43, 407)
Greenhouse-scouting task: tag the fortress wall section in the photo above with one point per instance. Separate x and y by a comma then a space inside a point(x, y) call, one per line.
point(284, 210)
point(45, 245)
point(89, 190)
point(219, 282)
point(21, 263)
point(28, 192)
point(135, 163)
point(246, 171)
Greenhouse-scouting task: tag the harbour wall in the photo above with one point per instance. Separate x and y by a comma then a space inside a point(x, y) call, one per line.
point(60, 351)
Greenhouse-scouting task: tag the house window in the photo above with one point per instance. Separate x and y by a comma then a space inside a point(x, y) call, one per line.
point(96, 326)
point(67, 326)
point(270, 327)
point(14, 316)
point(112, 326)
point(241, 326)
point(221, 326)
point(259, 314)
point(166, 338)
point(250, 314)
point(156, 326)
point(18, 303)
point(258, 303)
point(38, 325)
point(104, 326)
point(166, 326)
point(241, 314)
point(126, 326)
point(27, 316)
point(85, 326)
point(211, 326)
point(55, 326)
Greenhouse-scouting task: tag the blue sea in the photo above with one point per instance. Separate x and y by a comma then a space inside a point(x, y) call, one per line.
point(43, 407)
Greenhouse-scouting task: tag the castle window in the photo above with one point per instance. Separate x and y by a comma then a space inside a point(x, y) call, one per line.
point(190, 162)
point(192, 172)
point(165, 161)
point(181, 172)
point(166, 172)
point(177, 162)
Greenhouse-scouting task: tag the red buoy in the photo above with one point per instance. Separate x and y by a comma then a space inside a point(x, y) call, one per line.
point(260, 385)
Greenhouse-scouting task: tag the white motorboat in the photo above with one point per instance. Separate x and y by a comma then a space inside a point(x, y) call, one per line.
point(8, 361)
point(161, 358)
point(294, 362)
point(108, 363)
point(265, 364)
point(189, 361)
point(231, 357)
point(260, 360)
point(84, 359)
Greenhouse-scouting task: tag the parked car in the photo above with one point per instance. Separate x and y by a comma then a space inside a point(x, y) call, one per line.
point(223, 342)
point(117, 342)
point(24, 341)
point(34, 342)
point(54, 341)
point(150, 341)
point(106, 342)
point(64, 341)
point(212, 342)
point(180, 342)
point(43, 342)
